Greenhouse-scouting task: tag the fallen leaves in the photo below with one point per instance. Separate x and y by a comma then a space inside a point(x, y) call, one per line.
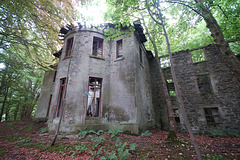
point(19, 143)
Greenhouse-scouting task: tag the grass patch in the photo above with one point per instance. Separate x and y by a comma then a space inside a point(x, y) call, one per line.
point(14, 123)
point(2, 152)
point(30, 128)
point(11, 138)
point(43, 130)
point(60, 147)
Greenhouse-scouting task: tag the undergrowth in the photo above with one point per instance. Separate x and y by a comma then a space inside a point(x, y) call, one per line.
point(2, 152)
point(109, 145)
point(114, 150)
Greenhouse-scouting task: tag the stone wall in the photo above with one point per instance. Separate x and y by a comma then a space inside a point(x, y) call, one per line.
point(158, 96)
point(223, 93)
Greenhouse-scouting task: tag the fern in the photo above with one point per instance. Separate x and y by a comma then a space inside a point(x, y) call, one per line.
point(114, 132)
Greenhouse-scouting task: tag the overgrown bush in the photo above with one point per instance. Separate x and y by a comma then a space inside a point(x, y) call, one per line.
point(146, 133)
point(114, 132)
point(224, 132)
point(171, 135)
point(121, 151)
point(44, 130)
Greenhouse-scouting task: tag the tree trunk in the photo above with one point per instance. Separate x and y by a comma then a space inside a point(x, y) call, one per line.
point(63, 105)
point(7, 118)
point(3, 80)
point(26, 112)
point(24, 108)
point(178, 91)
point(16, 112)
point(172, 122)
point(218, 37)
point(175, 80)
point(4, 102)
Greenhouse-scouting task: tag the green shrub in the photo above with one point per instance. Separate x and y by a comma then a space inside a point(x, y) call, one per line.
point(114, 132)
point(2, 152)
point(44, 130)
point(82, 133)
point(79, 149)
point(146, 133)
point(212, 157)
point(121, 152)
point(96, 132)
point(224, 132)
point(97, 140)
point(171, 134)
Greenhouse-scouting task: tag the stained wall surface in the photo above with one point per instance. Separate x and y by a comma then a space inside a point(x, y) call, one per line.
point(45, 96)
point(132, 95)
point(126, 92)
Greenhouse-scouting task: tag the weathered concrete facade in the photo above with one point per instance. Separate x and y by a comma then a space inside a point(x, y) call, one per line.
point(124, 98)
point(104, 84)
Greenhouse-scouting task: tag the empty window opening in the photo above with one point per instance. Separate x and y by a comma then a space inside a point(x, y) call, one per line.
point(94, 97)
point(198, 56)
point(212, 115)
point(49, 104)
point(97, 46)
point(54, 77)
point(172, 93)
point(119, 49)
point(165, 62)
point(140, 55)
point(169, 81)
point(176, 115)
point(60, 97)
point(170, 85)
point(69, 47)
point(204, 84)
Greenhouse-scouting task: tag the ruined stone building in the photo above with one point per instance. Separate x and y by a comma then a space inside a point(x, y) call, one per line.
point(104, 84)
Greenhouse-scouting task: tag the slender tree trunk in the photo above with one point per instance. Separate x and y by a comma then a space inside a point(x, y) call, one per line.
point(31, 101)
point(16, 111)
point(202, 9)
point(3, 81)
point(27, 111)
point(7, 118)
point(24, 108)
point(217, 34)
point(63, 105)
point(1, 89)
point(4, 102)
point(172, 122)
point(58, 126)
point(178, 91)
point(61, 115)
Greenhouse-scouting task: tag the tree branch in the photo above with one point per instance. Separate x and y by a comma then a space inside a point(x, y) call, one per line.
point(151, 13)
point(182, 3)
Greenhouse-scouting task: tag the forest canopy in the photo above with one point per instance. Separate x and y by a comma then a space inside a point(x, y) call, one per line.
point(186, 28)
point(29, 36)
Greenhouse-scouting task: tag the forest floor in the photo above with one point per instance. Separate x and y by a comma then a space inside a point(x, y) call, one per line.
point(27, 140)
